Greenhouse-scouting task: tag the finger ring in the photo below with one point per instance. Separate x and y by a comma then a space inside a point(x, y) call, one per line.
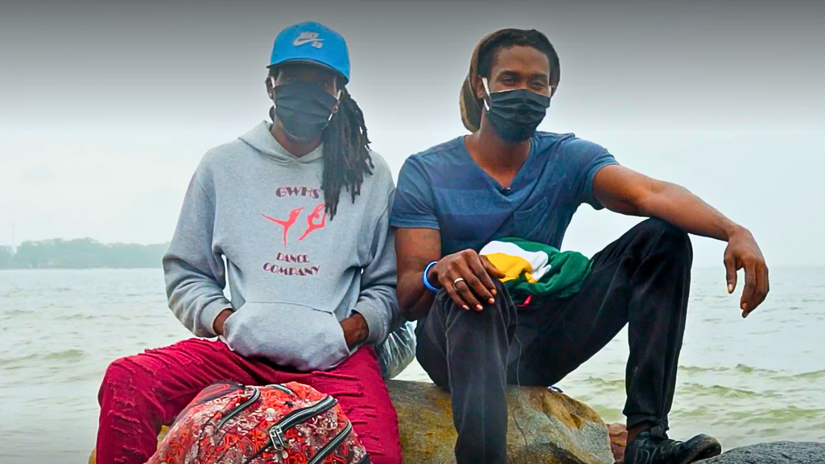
point(456, 281)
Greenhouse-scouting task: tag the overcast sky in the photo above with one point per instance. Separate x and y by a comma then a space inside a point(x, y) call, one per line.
point(106, 109)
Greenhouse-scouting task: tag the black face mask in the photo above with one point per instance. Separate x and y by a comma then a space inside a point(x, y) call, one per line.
point(304, 109)
point(515, 114)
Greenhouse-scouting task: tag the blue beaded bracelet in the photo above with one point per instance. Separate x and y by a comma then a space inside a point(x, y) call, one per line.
point(424, 277)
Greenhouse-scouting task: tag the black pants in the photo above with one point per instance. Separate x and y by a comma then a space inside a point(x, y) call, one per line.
point(642, 279)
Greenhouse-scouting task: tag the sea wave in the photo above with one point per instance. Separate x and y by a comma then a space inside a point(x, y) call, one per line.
point(64, 356)
point(718, 390)
point(698, 369)
point(13, 313)
point(18, 360)
point(779, 415)
point(700, 412)
point(77, 317)
point(600, 382)
point(15, 292)
point(814, 375)
point(739, 369)
point(745, 369)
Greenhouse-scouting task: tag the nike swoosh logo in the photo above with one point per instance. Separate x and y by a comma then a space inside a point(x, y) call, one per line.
point(299, 41)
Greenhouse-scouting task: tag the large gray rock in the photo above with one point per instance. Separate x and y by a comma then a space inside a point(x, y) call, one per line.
point(545, 427)
point(781, 452)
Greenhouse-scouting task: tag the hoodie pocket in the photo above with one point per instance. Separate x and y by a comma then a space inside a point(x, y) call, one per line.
point(287, 334)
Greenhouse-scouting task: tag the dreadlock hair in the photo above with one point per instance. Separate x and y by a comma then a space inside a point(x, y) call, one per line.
point(346, 151)
point(507, 38)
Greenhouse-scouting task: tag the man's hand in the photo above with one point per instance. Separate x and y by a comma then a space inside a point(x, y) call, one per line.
point(743, 253)
point(476, 272)
point(356, 330)
point(217, 326)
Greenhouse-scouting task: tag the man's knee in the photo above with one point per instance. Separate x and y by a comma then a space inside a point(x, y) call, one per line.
point(667, 237)
point(118, 373)
point(502, 305)
point(125, 379)
point(503, 308)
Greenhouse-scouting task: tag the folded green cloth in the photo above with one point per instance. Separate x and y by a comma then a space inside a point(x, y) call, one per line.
point(537, 269)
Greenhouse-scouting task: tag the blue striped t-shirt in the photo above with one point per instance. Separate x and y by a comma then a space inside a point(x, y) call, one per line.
point(442, 188)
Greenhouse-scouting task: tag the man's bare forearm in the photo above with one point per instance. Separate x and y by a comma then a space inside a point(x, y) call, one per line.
point(677, 205)
point(414, 298)
point(415, 249)
point(628, 192)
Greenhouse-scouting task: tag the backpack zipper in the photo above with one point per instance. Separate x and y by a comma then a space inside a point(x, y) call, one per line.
point(298, 416)
point(281, 387)
point(276, 432)
point(255, 395)
point(330, 447)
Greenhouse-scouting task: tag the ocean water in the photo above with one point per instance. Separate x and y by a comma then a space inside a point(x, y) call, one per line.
point(744, 381)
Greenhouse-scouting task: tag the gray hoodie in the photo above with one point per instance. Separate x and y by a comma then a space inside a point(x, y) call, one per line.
point(293, 272)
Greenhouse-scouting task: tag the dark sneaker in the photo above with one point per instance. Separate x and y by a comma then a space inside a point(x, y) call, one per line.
point(650, 449)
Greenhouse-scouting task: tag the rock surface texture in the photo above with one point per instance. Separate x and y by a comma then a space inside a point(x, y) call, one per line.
point(544, 427)
point(618, 440)
point(781, 452)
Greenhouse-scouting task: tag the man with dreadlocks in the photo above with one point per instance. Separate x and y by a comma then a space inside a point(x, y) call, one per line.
point(480, 220)
point(296, 214)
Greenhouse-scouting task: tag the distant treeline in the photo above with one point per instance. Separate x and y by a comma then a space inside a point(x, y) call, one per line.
point(80, 254)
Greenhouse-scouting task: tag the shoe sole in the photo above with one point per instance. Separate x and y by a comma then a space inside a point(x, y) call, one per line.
point(701, 447)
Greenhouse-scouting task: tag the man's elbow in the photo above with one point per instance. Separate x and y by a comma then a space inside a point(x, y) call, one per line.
point(407, 305)
point(642, 205)
point(629, 206)
point(404, 306)
point(650, 201)
point(413, 314)
point(413, 299)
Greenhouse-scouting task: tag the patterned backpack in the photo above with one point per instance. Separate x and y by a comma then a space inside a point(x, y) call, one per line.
point(228, 423)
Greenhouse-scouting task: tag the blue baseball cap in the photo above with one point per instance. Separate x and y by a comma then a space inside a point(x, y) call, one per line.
point(311, 42)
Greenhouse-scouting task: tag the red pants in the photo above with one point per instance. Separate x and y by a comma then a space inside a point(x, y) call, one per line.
point(143, 392)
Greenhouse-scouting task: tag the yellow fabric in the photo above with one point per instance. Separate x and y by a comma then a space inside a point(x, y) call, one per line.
point(537, 269)
point(514, 261)
point(511, 266)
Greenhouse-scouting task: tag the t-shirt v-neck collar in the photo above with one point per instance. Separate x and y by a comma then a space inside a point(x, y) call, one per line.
point(517, 179)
